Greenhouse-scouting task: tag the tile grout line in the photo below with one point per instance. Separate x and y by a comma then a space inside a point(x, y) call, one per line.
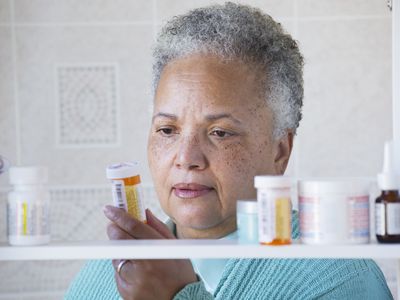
point(15, 84)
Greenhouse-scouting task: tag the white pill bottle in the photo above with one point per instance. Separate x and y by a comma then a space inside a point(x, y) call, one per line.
point(28, 207)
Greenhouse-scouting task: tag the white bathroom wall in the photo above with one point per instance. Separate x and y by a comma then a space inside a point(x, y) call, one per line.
point(75, 96)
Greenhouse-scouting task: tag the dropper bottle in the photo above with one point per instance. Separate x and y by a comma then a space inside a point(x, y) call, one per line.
point(387, 205)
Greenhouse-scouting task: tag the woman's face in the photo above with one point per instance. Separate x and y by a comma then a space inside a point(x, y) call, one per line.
point(211, 134)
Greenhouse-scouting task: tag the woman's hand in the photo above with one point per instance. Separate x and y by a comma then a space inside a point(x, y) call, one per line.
point(146, 279)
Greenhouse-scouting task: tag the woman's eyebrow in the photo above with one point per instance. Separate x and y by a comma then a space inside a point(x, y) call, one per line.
point(213, 117)
point(216, 117)
point(164, 115)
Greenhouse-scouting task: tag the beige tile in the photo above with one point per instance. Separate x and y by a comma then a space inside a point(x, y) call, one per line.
point(27, 11)
point(8, 144)
point(277, 9)
point(40, 49)
point(340, 8)
point(5, 11)
point(347, 112)
point(323, 41)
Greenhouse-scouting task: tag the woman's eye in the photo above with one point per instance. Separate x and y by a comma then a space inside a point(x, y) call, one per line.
point(221, 133)
point(166, 131)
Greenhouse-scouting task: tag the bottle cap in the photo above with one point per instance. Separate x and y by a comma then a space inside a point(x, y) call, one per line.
point(28, 175)
point(331, 186)
point(272, 181)
point(247, 206)
point(388, 179)
point(123, 170)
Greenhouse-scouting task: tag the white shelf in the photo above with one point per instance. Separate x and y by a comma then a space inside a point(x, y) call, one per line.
point(170, 249)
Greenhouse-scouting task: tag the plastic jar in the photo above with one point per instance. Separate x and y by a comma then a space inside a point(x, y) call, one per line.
point(274, 209)
point(28, 207)
point(247, 221)
point(126, 188)
point(334, 211)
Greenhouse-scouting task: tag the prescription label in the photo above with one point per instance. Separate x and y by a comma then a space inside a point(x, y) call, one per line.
point(393, 218)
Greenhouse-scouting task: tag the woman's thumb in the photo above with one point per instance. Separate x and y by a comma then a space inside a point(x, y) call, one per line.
point(159, 226)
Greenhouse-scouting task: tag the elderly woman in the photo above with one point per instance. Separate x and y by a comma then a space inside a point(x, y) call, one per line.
point(228, 97)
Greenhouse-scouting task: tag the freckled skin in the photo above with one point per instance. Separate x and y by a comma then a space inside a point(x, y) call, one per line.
point(224, 153)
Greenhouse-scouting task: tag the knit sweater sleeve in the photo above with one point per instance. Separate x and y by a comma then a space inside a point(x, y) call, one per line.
point(194, 291)
point(249, 279)
point(95, 281)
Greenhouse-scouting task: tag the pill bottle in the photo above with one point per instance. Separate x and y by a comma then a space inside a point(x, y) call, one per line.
point(247, 221)
point(387, 205)
point(274, 209)
point(126, 188)
point(334, 210)
point(28, 207)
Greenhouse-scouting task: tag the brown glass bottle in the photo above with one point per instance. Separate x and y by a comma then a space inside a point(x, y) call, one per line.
point(387, 217)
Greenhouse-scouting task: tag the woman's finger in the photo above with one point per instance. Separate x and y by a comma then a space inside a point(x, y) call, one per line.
point(132, 226)
point(116, 233)
point(159, 226)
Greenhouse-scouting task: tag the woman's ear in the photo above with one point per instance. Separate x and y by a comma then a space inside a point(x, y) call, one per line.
point(283, 149)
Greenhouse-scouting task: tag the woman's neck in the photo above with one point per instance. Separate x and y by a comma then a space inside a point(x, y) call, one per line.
point(215, 232)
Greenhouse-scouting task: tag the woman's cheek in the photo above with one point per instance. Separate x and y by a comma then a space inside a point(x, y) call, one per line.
point(154, 154)
point(235, 160)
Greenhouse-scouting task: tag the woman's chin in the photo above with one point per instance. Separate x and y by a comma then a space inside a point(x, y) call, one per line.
point(195, 222)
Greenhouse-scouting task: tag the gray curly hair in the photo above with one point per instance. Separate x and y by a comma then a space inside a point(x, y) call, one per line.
point(235, 31)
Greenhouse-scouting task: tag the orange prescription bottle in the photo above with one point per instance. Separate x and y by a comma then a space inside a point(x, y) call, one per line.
point(274, 209)
point(126, 188)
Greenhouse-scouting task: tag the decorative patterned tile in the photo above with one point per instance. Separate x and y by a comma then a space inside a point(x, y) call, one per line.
point(70, 11)
point(130, 48)
point(88, 104)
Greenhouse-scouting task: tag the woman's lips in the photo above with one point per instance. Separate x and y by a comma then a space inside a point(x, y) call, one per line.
point(190, 190)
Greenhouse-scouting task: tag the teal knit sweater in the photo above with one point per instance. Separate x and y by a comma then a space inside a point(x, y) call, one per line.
point(252, 279)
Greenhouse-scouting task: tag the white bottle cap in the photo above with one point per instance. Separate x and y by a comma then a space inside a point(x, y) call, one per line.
point(123, 170)
point(332, 186)
point(28, 175)
point(272, 181)
point(388, 179)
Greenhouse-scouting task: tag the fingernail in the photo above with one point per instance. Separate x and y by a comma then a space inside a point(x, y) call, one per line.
point(149, 212)
point(109, 212)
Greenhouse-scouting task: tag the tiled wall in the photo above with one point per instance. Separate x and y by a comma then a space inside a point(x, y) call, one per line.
point(75, 96)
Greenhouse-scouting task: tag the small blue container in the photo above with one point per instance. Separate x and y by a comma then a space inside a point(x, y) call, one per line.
point(247, 221)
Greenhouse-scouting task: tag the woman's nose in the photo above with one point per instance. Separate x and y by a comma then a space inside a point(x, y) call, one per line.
point(190, 155)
